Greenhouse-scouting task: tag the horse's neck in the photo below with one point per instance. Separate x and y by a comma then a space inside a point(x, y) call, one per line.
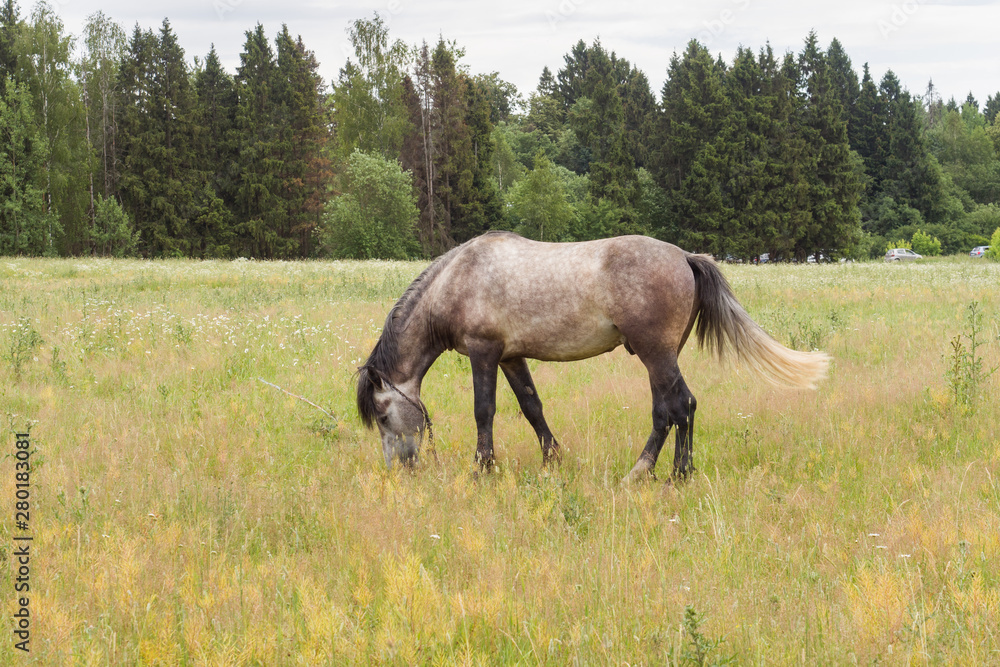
point(417, 352)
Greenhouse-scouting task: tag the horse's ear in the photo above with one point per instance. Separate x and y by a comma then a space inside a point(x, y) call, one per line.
point(376, 378)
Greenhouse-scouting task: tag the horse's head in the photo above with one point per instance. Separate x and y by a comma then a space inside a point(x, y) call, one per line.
point(400, 418)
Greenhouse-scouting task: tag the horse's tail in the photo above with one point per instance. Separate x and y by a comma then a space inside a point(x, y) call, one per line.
point(726, 328)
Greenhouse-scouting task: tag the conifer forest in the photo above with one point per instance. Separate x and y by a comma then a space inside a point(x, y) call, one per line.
point(118, 143)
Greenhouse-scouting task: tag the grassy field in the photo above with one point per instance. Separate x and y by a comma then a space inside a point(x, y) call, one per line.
point(184, 512)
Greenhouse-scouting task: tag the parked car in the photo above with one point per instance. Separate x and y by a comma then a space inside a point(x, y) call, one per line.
point(979, 251)
point(900, 254)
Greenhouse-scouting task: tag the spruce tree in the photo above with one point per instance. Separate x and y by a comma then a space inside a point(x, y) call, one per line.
point(134, 162)
point(569, 83)
point(481, 208)
point(303, 118)
point(694, 108)
point(213, 233)
point(598, 119)
point(992, 108)
point(694, 112)
point(910, 178)
point(748, 172)
point(25, 224)
point(10, 27)
point(260, 211)
point(843, 78)
point(160, 187)
point(640, 108)
point(837, 182)
point(866, 132)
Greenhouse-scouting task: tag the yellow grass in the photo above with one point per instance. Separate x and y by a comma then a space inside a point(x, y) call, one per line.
point(185, 513)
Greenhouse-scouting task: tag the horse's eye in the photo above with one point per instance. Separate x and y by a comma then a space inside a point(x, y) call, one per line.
point(384, 419)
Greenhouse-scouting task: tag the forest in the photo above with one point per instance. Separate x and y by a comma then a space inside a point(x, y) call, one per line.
point(115, 144)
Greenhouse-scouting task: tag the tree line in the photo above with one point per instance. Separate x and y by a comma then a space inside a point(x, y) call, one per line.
point(129, 149)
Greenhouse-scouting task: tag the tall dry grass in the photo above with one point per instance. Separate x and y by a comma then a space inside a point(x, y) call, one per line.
point(186, 513)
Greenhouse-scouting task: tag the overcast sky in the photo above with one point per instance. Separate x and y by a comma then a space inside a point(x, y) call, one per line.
point(953, 42)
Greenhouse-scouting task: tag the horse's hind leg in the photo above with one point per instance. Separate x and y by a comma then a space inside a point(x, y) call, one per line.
point(517, 374)
point(673, 405)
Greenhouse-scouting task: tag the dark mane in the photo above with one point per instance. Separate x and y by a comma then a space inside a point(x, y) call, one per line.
point(384, 357)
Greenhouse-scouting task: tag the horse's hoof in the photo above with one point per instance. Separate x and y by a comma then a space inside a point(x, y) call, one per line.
point(680, 477)
point(641, 472)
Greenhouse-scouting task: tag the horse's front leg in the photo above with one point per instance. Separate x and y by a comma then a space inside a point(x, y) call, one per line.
point(485, 358)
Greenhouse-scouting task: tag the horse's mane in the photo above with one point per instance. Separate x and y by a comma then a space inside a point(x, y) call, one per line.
point(384, 357)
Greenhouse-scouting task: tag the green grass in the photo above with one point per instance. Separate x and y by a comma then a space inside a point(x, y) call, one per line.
point(185, 513)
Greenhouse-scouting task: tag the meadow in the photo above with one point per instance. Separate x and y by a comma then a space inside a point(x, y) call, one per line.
point(186, 513)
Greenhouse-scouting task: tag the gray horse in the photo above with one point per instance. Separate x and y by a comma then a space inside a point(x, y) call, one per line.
point(500, 299)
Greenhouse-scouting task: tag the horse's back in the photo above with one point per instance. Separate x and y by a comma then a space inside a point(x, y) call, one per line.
point(560, 301)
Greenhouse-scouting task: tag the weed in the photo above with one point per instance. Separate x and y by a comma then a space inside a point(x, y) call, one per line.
point(58, 367)
point(182, 334)
point(24, 340)
point(966, 374)
point(698, 648)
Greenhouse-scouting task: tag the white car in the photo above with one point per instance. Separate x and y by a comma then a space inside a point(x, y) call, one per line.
point(979, 251)
point(900, 254)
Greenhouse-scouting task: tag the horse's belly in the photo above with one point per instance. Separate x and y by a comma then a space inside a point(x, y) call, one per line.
point(568, 343)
